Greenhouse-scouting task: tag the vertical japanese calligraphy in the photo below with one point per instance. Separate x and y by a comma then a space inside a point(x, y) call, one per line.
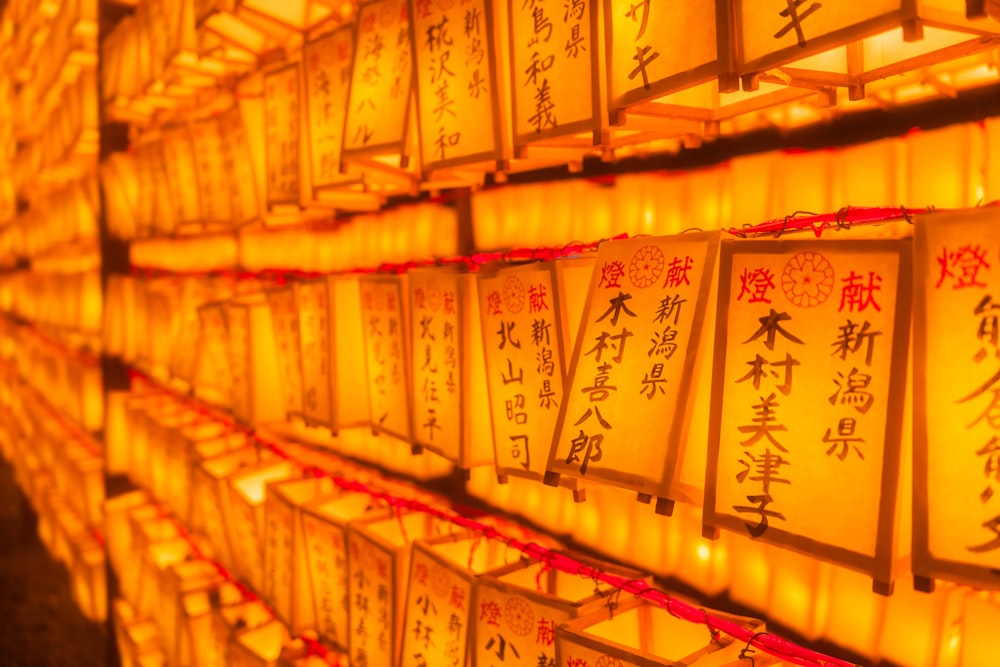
point(327, 62)
point(325, 525)
point(457, 96)
point(384, 307)
point(252, 360)
point(777, 31)
point(638, 343)
point(553, 65)
point(179, 163)
point(436, 329)
point(439, 599)
point(285, 321)
point(807, 409)
point(523, 340)
point(314, 339)
point(281, 134)
point(237, 162)
point(643, 62)
point(379, 101)
point(213, 177)
point(956, 532)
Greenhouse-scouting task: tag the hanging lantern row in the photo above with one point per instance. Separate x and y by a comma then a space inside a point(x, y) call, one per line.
point(318, 552)
point(563, 393)
point(424, 96)
point(61, 473)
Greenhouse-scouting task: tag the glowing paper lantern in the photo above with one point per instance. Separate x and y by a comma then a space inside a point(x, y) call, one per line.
point(956, 491)
point(286, 573)
point(555, 85)
point(378, 107)
point(526, 340)
point(281, 138)
point(258, 647)
point(794, 424)
point(449, 388)
point(213, 374)
point(285, 320)
point(515, 610)
point(182, 177)
point(641, 63)
point(439, 607)
point(378, 562)
point(332, 332)
point(385, 317)
point(237, 162)
point(255, 377)
point(639, 341)
point(176, 582)
point(247, 492)
point(230, 612)
point(640, 633)
point(210, 498)
point(839, 46)
point(327, 67)
point(214, 180)
point(457, 81)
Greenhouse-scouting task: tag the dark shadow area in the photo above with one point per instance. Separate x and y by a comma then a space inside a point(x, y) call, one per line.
point(41, 625)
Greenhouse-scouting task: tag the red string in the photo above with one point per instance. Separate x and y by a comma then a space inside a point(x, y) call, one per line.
point(782, 648)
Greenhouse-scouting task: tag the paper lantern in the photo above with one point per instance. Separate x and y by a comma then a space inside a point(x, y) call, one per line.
point(87, 573)
point(247, 492)
point(457, 84)
point(230, 612)
point(210, 498)
point(286, 573)
point(449, 391)
point(116, 531)
point(138, 640)
point(526, 325)
point(327, 74)
point(213, 179)
point(385, 317)
point(515, 610)
point(439, 597)
point(911, 625)
point(213, 373)
point(258, 647)
point(281, 135)
point(179, 163)
point(194, 444)
point(378, 548)
point(285, 320)
point(331, 330)
point(787, 409)
point(956, 530)
point(177, 582)
point(255, 379)
point(237, 161)
point(656, 292)
point(324, 523)
point(643, 633)
point(378, 117)
point(837, 46)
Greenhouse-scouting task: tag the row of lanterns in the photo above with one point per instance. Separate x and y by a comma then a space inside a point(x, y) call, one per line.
point(60, 469)
point(333, 125)
point(381, 586)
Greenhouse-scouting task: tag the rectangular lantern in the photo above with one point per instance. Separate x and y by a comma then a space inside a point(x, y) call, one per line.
point(286, 572)
point(256, 383)
point(812, 44)
point(643, 59)
point(182, 179)
point(282, 136)
point(439, 611)
point(214, 180)
point(378, 105)
point(554, 65)
point(526, 328)
point(324, 523)
point(327, 69)
point(457, 83)
point(247, 492)
point(956, 480)
point(214, 376)
point(812, 344)
point(641, 340)
point(449, 389)
point(237, 162)
point(231, 612)
point(285, 320)
point(643, 634)
point(385, 318)
point(378, 559)
point(257, 647)
point(515, 610)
